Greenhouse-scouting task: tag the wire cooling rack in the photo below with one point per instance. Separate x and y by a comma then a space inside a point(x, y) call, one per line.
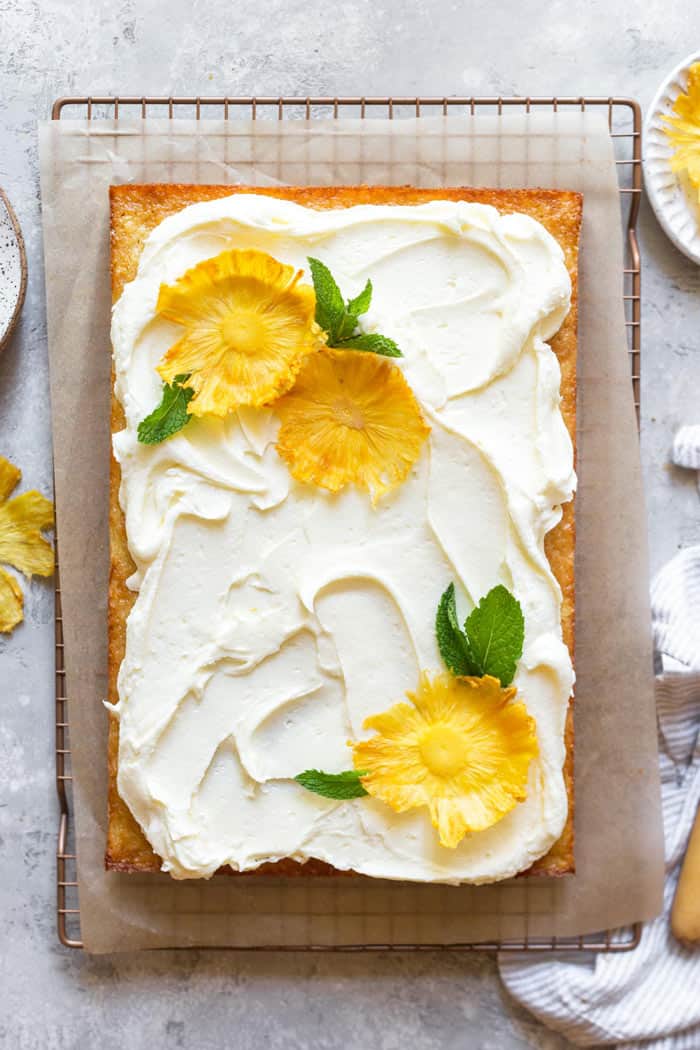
point(625, 123)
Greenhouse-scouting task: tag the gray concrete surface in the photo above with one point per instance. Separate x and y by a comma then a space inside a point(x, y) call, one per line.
point(53, 999)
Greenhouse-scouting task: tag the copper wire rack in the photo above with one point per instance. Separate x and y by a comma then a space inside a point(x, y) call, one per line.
point(625, 124)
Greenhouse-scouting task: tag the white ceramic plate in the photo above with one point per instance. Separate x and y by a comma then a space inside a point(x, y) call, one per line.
point(672, 198)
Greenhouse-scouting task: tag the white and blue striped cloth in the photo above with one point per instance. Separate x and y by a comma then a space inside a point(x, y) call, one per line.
point(648, 999)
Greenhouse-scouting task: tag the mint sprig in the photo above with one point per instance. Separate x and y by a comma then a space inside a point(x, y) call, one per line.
point(340, 319)
point(373, 343)
point(170, 415)
point(491, 641)
point(496, 632)
point(330, 308)
point(452, 641)
point(338, 786)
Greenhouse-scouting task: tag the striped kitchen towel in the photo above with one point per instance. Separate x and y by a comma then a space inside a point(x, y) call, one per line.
point(686, 447)
point(648, 999)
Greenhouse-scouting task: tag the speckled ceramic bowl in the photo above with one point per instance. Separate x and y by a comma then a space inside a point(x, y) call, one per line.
point(672, 198)
point(13, 270)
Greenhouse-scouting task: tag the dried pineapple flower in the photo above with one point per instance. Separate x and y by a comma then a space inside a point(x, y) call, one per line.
point(248, 325)
point(461, 747)
point(11, 602)
point(684, 129)
point(21, 544)
point(350, 418)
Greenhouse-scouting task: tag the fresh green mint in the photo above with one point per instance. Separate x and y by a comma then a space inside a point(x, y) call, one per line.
point(339, 786)
point(170, 415)
point(330, 308)
point(496, 632)
point(340, 319)
point(372, 342)
point(452, 641)
point(491, 641)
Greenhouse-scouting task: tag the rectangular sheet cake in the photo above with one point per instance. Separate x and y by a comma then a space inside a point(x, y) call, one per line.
point(256, 620)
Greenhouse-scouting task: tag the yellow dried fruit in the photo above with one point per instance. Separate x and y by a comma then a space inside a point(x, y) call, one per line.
point(22, 545)
point(684, 130)
point(461, 747)
point(248, 325)
point(351, 418)
point(11, 602)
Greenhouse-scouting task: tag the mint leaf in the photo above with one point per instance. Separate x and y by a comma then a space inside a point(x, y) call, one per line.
point(170, 415)
point(340, 320)
point(345, 329)
point(330, 308)
point(452, 642)
point(495, 631)
point(361, 303)
point(338, 786)
point(373, 343)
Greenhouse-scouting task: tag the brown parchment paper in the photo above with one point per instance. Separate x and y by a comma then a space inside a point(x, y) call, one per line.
point(619, 854)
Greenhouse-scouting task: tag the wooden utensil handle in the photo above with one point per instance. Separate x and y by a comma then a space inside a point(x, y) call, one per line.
point(685, 915)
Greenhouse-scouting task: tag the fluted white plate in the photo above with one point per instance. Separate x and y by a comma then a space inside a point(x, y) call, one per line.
point(672, 197)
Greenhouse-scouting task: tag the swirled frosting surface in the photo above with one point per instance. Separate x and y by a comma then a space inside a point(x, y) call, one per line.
point(273, 617)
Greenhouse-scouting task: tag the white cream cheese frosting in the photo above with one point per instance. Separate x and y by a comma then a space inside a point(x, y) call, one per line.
point(273, 617)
